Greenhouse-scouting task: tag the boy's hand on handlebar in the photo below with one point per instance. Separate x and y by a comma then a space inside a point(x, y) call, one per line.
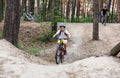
point(54, 36)
point(68, 38)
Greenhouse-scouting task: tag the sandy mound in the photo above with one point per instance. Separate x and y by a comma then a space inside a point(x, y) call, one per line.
point(15, 64)
point(30, 34)
point(9, 51)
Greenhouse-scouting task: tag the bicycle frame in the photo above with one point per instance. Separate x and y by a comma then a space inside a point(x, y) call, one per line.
point(60, 52)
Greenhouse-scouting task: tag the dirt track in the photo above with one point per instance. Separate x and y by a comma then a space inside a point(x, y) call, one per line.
point(81, 45)
point(15, 63)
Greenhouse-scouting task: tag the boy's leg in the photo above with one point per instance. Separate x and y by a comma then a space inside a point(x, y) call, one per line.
point(65, 46)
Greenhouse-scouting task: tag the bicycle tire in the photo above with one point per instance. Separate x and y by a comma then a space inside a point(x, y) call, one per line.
point(57, 56)
point(62, 57)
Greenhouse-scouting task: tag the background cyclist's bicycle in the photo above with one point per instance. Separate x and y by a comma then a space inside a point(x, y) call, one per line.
point(27, 16)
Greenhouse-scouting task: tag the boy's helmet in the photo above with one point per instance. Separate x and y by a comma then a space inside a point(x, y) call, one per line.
point(62, 25)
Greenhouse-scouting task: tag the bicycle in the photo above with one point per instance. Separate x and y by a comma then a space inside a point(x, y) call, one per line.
point(59, 56)
point(27, 16)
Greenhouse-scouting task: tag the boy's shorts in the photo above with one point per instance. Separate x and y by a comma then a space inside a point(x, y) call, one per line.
point(64, 41)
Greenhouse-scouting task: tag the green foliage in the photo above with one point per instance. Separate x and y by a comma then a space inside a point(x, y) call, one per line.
point(86, 20)
point(37, 19)
point(3, 8)
point(61, 20)
point(81, 20)
point(1, 35)
point(49, 16)
point(47, 37)
point(104, 1)
point(33, 50)
point(56, 15)
point(112, 19)
point(19, 45)
point(33, 40)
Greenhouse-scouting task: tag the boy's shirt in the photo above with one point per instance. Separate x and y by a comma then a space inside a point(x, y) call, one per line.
point(62, 34)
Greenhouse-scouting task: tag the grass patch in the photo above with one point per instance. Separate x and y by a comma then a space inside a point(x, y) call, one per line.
point(80, 20)
point(86, 20)
point(33, 50)
point(47, 37)
point(33, 40)
point(1, 34)
point(19, 45)
point(112, 19)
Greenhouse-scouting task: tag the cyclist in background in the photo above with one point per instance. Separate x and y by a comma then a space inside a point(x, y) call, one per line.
point(104, 14)
point(62, 33)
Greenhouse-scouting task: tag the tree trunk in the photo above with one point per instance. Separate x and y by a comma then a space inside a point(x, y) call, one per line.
point(68, 9)
point(95, 20)
point(44, 9)
point(73, 10)
point(31, 6)
point(1, 10)
point(62, 8)
point(50, 6)
point(50, 10)
point(38, 7)
point(101, 5)
point(118, 11)
point(56, 14)
point(23, 7)
point(112, 17)
point(78, 10)
point(109, 5)
point(12, 21)
point(115, 50)
point(83, 9)
point(54, 22)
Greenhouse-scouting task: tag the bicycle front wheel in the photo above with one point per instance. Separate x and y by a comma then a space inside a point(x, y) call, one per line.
point(57, 56)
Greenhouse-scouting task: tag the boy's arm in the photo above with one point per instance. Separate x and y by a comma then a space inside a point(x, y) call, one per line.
point(68, 34)
point(56, 34)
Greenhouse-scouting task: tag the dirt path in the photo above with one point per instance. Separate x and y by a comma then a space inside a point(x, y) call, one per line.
point(81, 45)
point(15, 63)
point(77, 39)
point(1, 67)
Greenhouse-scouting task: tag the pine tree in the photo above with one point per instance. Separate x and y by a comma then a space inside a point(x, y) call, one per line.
point(31, 6)
point(95, 20)
point(12, 21)
point(118, 11)
point(1, 10)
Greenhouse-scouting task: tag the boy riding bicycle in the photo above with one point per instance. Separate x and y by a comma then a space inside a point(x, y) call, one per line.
point(62, 33)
